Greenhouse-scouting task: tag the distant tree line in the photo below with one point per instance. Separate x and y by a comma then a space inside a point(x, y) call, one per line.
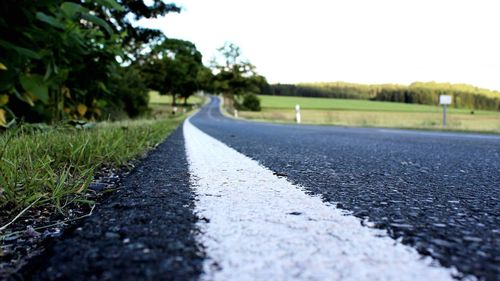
point(464, 96)
point(328, 90)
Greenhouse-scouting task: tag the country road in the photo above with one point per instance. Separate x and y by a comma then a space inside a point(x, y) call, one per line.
point(226, 199)
point(439, 192)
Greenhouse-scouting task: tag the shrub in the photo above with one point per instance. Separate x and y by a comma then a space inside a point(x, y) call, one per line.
point(251, 102)
point(130, 93)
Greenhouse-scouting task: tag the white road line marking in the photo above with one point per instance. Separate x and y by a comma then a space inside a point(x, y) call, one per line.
point(261, 227)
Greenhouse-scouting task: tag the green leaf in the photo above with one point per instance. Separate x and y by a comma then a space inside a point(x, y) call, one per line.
point(24, 97)
point(20, 50)
point(103, 87)
point(112, 4)
point(102, 103)
point(50, 20)
point(35, 85)
point(2, 66)
point(98, 21)
point(48, 71)
point(70, 9)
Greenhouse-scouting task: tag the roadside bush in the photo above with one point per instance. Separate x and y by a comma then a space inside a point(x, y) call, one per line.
point(130, 92)
point(59, 58)
point(250, 102)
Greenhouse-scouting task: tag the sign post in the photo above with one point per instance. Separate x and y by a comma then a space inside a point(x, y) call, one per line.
point(444, 100)
point(297, 113)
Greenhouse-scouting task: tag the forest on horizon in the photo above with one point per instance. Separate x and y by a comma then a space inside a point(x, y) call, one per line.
point(464, 95)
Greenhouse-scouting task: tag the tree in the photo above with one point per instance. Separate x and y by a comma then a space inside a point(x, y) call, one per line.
point(172, 68)
point(205, 80)
point(235, 76)
point(137, 39)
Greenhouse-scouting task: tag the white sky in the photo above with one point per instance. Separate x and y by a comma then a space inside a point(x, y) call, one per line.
point(366, 41)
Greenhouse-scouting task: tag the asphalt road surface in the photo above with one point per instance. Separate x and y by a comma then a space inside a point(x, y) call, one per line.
point(144, 231)
point(438, 192)
point(315, 203)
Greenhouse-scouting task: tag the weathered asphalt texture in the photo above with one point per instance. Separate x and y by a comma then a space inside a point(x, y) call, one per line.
point(437, 192)
point(145, 231)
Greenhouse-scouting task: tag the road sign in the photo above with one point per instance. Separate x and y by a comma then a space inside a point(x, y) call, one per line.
point(444, 99)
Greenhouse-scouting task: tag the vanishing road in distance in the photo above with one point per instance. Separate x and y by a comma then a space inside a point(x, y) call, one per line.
point(438, 192)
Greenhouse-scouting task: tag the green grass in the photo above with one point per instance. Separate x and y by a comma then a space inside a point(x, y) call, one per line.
point(54, 165)
point(362, 113)
point(282, 102)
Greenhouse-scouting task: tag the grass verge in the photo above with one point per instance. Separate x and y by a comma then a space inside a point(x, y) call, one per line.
point(54, 165)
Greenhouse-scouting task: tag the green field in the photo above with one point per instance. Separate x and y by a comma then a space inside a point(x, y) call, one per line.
point(343, 112)
point(280, 102)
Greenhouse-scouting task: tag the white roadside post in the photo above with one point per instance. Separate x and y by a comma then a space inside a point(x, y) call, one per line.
point(235, 113)
point(444, 100)
point(297, 113)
